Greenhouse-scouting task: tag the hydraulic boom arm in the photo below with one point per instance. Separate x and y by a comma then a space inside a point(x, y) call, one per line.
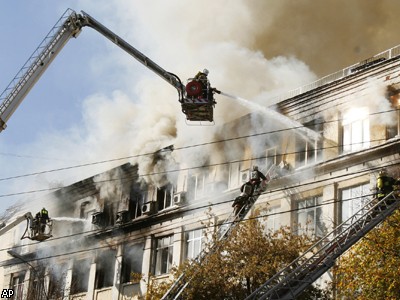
point(198, 106)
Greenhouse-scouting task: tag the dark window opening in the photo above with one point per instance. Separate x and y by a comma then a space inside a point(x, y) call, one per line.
point(132, 262)
point(80, 276)
point(164, 197)
point(57, 277)
point(105, 269)
point(17, 285)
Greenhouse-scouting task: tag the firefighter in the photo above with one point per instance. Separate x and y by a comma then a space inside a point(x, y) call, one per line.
point(384, 185)
point(208, 91)
point(35, 224)
point(43, 219)
point(202, 77)
point(246, 190)
point(256, 177)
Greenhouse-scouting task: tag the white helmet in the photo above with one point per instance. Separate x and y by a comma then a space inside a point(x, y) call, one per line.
point(205, 71)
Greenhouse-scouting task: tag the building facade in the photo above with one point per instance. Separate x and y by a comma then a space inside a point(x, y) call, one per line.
point(328, 140)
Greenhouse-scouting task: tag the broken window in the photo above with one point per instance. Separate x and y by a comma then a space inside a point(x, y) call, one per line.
point(17, 285)
point(57, 275)
point(164, 197)
point(309, 213)
point(163, 254)
point(194, 243)
point(353, 199)
point(36, 287)
point(80, 276)
point(355, 130)
point(132, 262)
point(105, 265)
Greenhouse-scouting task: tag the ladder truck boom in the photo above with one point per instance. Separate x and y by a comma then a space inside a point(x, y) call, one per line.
point(196, 98)
point(172, 79)
point(291, 281)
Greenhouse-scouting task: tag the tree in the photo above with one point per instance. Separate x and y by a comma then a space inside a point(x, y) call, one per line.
point(370, 269)
point(241, 263)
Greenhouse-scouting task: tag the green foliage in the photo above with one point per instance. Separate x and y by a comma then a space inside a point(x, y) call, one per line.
point(370, 270)
point(241, 263)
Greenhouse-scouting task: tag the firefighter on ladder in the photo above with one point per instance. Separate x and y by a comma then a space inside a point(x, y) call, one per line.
point(385, 184)
point(247, 189)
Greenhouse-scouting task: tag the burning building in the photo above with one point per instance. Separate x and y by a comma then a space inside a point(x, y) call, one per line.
point(328, 140)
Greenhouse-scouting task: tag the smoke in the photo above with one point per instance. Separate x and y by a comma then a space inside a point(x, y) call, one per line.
point(327, 35)
point(253, 49)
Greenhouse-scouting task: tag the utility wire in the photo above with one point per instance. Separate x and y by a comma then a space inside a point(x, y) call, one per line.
point(261, 216)
point(181, 169)
point(182, 148)
point(228, 201)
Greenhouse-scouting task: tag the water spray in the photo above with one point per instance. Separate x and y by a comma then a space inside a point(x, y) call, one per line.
point(304, 131)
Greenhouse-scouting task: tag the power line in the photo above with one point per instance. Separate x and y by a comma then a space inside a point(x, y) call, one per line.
point(180, 169)
point(132, 241)
point(228, 201)
point(185, 147)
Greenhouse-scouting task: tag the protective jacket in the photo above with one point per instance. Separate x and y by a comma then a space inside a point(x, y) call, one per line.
point(384, 185)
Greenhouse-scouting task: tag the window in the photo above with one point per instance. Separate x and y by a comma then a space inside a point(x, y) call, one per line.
point(309, 150)
point(57, 275)
point(273, 219)
point(194, 242)
point(164, 197)
point(353, 199)
point(222, 177)
point(393, 128)
point(272, 157)
point(36, 287)
point(17, 284)
point(195, 186)
point(105, 266)
point(355, 131)
point(234, 175)
point(80, 276)
point(164, 254)
point(132, 261)
point(309, 214)
point(136, 200)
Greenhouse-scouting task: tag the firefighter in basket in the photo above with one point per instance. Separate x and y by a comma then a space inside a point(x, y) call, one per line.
point(41, 220)
point(200, 87)
point(247, 190)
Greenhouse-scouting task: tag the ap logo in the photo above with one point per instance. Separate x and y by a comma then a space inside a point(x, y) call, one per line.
point(7, 293)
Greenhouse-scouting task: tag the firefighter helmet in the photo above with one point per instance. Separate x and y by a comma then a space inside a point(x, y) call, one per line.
point(382, 172)
point(205, 71)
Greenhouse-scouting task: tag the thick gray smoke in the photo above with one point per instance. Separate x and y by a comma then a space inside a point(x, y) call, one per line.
point(253, 49)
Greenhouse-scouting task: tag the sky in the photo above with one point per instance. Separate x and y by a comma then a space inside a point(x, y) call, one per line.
point(96, 103)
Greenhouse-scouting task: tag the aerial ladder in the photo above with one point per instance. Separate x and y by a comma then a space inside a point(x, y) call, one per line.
point(176, 289)
point(292, 280)
point(37, 228)
point(196, 97)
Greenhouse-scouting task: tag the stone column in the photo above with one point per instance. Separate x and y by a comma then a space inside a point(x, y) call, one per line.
point(68, 280)
point(147, 261)
point(92, 278)
point(116, 288)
